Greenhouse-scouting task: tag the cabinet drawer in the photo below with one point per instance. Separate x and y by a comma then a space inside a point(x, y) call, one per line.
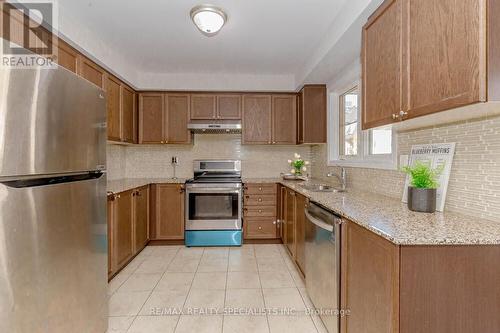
point(259, 228)
point(260, 200)
point(260, 188)
point(259, 211)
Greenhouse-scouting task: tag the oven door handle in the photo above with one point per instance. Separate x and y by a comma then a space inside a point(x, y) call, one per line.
point(213, 190)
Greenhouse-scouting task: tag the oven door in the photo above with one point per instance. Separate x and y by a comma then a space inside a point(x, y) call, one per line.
point(210, 207)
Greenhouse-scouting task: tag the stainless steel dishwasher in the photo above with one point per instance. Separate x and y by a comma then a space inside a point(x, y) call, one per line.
point(323, 263)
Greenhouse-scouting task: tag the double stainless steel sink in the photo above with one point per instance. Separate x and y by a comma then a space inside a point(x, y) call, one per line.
point(321, 188)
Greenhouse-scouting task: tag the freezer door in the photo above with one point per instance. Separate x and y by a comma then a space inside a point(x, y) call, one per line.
point(53, 256)
point(51, 121)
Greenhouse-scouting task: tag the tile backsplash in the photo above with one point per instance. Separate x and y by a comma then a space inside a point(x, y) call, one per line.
point(154, 160)
point(474, 187)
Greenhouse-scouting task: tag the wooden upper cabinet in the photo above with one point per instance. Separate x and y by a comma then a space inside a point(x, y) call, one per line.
point(67, 56)
point(91, 72)
point(177, 108)
point(113, 106)
point(128, 114)
point(167, 212)
point(141, 217)
point(311, 117)
point(382, 65)
point(203, 107)
point(370, 281)
point(228, 106)
point(284, 119)
point(256, 119)
point(446, 58)
point(122, 228)
point(151, 118)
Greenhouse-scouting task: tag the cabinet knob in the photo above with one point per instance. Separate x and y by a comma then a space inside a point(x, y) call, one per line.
point(274, 142)
point(274, 222)
point(260, 188)
point(402, 114)
point(260, 228)
point(395, 116)
point(118, 196)
point(260, 210)
point(260, 199)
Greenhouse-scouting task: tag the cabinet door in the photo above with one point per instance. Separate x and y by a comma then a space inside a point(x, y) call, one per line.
point(151, 118)
point(300, 231)
point(282, 213)
point(123, 229)
point(128, 114)
point(203, 106)
point(284, 119)
point(311, 126)
point(290, 221)
point(177, 109)
point(370, 281)
point(256, 119)
point(111, 223)
point(113, 106)
point(91, 72)
point(446, 54)
point(141, 229)
point(228, 106)
point(167, 215)
point(382, 65)
point(67, 57)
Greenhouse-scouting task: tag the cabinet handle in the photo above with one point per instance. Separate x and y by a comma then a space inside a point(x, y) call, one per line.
point(247, 197)
point(245, 209)
point(402, 114)
point(395, 116)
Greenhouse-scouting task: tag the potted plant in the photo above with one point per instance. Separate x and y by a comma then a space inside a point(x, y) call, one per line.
point(298, 166)
point(422, 191)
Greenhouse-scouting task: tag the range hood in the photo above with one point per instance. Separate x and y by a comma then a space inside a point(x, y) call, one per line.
point(215, 127)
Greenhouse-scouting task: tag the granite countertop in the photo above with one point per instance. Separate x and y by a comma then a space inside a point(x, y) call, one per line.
point(120, 185)
point(391, 219)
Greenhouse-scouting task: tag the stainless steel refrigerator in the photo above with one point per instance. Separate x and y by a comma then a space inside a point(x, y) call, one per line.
point(53, 242)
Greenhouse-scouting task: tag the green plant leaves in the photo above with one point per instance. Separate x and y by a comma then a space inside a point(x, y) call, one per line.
point(422, 175)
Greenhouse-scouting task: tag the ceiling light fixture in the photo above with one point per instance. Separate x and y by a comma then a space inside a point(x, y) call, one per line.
point(208, 19)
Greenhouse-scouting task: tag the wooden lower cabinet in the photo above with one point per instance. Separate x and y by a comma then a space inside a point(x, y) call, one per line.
point(167, 212)
point(300, 231)
point(141, 221)
point(259, 211)
point(111, 219)
point(412, 289)
point(123, 228)
point(290, 204)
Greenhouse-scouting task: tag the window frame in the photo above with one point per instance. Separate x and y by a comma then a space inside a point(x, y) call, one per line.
point(363, 159)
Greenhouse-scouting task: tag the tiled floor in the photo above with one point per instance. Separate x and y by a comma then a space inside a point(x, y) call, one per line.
point(149, 294)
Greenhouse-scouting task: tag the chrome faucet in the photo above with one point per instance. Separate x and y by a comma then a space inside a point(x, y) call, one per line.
point(342, 178)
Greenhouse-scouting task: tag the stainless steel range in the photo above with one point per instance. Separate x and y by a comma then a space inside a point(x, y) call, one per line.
point(214, 204)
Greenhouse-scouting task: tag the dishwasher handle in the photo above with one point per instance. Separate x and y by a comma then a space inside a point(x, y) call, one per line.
point(318, 222)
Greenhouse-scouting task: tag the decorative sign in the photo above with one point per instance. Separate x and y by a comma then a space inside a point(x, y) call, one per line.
point(436, 155)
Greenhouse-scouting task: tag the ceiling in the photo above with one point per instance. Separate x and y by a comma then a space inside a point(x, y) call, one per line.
point(157, 36)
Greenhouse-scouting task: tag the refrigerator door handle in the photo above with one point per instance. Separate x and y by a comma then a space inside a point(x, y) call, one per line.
point(52, 180)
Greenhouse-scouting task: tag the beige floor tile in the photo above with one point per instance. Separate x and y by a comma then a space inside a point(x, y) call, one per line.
point(127, 304)
point(199, 324)
point(148, 250)
point(140, 282)
point(243, 280)
point(164, 302)
point(297, 278)
point(190, 253)
point(154, 324)
point(132, 266)
point(278, 279)
point(183, 265)
point(291, 324)
point(213, 264)
point(271, 264)
point(319, 324)
point(267, 251)
point(164, 251)
point(119, 324)
point(305, 298)
point(244, 299)
point(214, 280)
point(210, 300)
point(284, 298)
point(175, 281)
point(117, 282)
point(216, 252)
point(245, 324)
point(242, 264)
point(153, 265)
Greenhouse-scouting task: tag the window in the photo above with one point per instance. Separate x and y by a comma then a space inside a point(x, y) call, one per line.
point(349, 122)
point(349, 145)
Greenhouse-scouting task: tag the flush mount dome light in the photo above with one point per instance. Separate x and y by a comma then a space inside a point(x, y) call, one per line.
point(208, 19)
